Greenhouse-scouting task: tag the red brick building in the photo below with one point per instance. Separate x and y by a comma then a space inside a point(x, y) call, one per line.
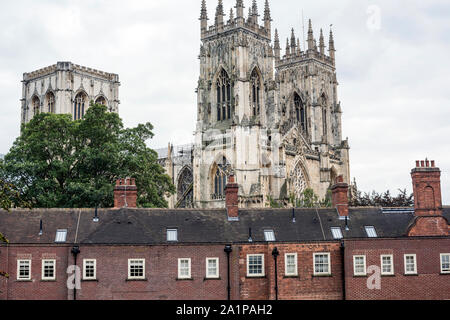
point(289, 254)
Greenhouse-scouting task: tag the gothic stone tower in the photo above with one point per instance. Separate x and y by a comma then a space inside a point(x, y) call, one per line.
point(67, 88)
point(277, 130)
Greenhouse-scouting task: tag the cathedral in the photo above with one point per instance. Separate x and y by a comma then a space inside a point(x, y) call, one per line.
point(271, 120)
point(67, 88)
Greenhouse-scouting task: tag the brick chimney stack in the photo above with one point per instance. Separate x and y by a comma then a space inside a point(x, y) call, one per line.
point(340, 196)
point(426, 179)
point(231, 199)
point(429, 221)
point(125, 193)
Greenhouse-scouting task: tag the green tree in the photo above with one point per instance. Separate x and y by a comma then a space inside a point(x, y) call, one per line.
point(61, 163)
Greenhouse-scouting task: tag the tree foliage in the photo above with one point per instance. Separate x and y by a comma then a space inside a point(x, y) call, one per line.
point(61, 163)
point(386, 199)
point(308, 199)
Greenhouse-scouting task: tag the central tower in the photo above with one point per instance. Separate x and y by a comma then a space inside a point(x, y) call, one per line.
point(271, 121)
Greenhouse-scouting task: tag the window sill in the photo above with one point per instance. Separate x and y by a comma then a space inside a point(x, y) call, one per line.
point(445, 273)
point(256, 277)
point(136, 279)
point(23, 280)
point(48, 280)
point(212, 278)
point(411, 275)
point(360, 276)
point(91, 280)
point(185, 279)
point(388, 275)
point(291, 277)
point(322, 275)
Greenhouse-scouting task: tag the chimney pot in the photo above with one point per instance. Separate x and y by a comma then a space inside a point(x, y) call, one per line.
point(417, 163)
point(422, 163)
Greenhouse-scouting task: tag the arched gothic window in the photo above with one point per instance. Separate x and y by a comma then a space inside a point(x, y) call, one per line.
point(36, 105)
point(300, 112)
point(223, 96)
point(220, 179)
point(51, 102)
point(79, 106)
point(101, 100)
point(185, 189)
point(256, 92)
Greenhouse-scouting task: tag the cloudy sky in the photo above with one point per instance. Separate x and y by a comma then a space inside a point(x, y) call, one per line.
point(392, 61)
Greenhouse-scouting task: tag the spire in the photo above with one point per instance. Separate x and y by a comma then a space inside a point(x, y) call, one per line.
point(321, 43)
point(239, 11)
point(267, 20)
point(203, 18)
point(267, 16)
point(219, 15)
point(203, 11)
point(310, 36)
point(331, 48)
point(276, 45)
point(288, 48)
point(231, 16)
point(293, 44)
point(299, 50)
point(255, 12)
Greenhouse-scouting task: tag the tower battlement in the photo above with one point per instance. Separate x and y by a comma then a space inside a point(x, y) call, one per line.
point(249, 23)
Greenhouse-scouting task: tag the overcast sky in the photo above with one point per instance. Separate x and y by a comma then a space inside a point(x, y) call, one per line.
point(393, 67)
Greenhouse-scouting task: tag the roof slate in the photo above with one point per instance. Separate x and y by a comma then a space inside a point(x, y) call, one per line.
point(148, 226)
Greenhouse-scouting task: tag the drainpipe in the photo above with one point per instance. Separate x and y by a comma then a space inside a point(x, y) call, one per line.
point(275, 254)
point(75, 251)
point(228, 249)
point(343, 268)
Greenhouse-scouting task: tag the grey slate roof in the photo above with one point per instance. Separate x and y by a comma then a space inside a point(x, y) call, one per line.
point(148, 226)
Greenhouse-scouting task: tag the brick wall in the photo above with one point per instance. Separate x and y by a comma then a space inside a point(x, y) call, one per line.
point(429, 284)
point(161, 271)
point(305, 286)
point(35, 289)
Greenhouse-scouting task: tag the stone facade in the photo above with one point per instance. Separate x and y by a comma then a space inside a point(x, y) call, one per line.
point(272, 121)
point(67, 88)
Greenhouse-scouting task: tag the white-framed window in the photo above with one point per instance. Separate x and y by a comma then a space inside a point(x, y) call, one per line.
point(269, 235)
point(322, 264)
point(61, 235)
point(212, 268)
point(48, 269)
point(371, 232)
point(445, 262)
point(89, 269)
point(184, 268)
point(410, 264)
point(387, 264)
point(359, 266)
point(136, 268)
point(172, 235)
point(290, 261)
point(336, 232)
point(23, 269)
point(255, 265)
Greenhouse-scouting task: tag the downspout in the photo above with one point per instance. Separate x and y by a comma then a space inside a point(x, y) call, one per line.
point(343, 269)
point(275, 255)
point(228, 249)
point(75, 252)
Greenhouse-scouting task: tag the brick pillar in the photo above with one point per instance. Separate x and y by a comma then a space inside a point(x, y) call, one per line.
point(231, 199)
point(429, 221)
point(125, 193)
point(340, 196)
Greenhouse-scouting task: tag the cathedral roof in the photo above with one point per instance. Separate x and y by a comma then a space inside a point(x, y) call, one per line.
point(148, 226)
